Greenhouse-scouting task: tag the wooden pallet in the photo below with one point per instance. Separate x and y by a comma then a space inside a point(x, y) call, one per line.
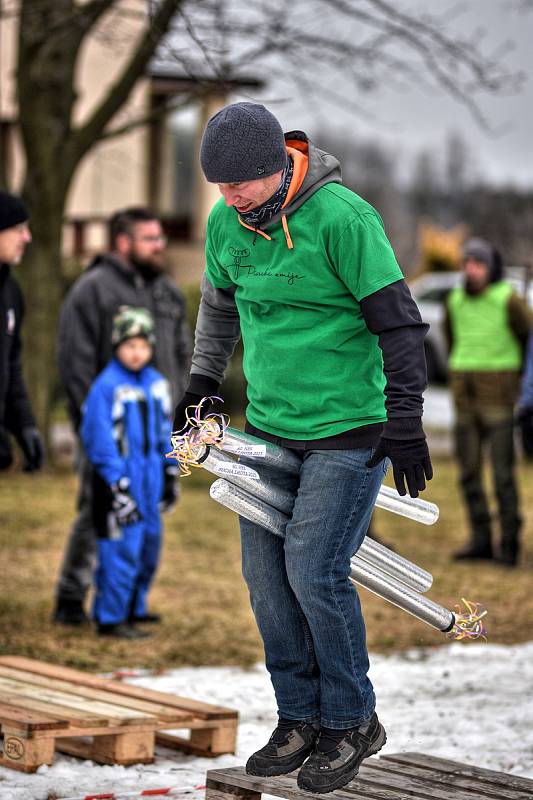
point(404, 776)
point(44, 708)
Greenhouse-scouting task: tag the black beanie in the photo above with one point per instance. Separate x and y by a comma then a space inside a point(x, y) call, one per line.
point(12, 211)
point(243, 142)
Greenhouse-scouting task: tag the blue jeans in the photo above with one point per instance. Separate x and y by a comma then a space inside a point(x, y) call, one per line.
point(307, 610)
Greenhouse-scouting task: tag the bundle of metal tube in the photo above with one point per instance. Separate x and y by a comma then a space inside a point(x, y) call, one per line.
point(242, 444)
point(397, 585)
point(257, 498)
point(280, 503)
point(375, 567)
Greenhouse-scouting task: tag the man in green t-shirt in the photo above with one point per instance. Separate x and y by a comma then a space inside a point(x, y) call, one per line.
point(487, 326)
point(301, 268)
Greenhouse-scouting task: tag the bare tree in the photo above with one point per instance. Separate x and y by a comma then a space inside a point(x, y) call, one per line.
point(335, 51)
point(51, 33)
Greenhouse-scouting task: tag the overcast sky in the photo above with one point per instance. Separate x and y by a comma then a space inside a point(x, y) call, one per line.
point(414, 119)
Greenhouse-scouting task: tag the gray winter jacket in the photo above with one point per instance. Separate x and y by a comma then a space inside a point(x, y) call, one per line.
point(84, 337)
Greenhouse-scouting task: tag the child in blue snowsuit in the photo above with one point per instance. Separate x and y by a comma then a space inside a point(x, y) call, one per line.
point(125, 431)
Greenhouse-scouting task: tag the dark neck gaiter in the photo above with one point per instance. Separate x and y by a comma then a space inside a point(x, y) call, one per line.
point(261, 216)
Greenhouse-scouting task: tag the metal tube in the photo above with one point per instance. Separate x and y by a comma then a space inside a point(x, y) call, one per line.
point(400, 595)
point(237, 442)
point(249, 507)
point(281, 458)
point(364, 573)
point(281, 500)
point(264, 489)
point(412, 507)
point(393, 564)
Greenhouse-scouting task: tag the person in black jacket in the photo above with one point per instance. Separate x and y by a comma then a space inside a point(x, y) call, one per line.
point(16, 416)
point(132, 274)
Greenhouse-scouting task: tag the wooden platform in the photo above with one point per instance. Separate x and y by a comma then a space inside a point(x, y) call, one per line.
point(404, 776)
point(44, 708)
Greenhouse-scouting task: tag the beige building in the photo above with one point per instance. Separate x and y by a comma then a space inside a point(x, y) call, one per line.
point(154, 164)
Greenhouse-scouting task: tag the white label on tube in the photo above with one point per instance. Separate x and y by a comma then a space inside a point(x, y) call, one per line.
point(254, 450)
point(237, 469)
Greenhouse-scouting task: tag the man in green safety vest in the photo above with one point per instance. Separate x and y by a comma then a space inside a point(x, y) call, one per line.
point(487, 326)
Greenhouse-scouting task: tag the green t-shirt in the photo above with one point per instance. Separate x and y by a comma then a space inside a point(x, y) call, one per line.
point(313, 367)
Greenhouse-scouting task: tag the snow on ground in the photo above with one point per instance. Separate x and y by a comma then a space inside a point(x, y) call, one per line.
point(469, 702)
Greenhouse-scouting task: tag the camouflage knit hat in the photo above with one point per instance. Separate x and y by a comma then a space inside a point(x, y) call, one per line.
point(128, 323)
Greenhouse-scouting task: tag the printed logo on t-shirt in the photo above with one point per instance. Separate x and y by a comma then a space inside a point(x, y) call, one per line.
point(10, 319)
point(241, 268)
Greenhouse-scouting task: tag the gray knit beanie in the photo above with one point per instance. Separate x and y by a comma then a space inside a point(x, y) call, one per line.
point(480, 250)
point(242, 142)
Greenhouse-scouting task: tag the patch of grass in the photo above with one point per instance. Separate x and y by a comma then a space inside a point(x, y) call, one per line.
point(199, 589)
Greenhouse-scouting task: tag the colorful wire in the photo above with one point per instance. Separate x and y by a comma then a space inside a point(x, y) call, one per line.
point(189, 443)
point(469, 624)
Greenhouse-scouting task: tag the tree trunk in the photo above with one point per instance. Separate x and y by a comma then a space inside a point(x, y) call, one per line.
point(42, 281)
point(50, 36)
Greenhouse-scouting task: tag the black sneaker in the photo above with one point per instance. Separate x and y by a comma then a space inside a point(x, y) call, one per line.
point(473, 553)
point(121, 631)
point(338, 755)
point(506, 559)
point(286, 750)
point(150, 619)
point(69, 612)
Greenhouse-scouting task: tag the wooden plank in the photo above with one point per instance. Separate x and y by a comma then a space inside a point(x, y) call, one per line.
point(371, 779)
point(144, 727)
point(122, 748)
point(216, 790)
point(444, 779)
point(73, 731)
point(153, 709)
point(394, 777)
point(226, 780)
point(117, 714)
point(29, 721)
point(77, 746)
point(208, 742)
point(199, 709)
point(184, 745)
point(72, 715)
point(458, 768)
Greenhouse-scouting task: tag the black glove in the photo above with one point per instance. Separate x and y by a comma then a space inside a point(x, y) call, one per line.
point(200, 386)
point(170, 494)
point(123, 504)
point(525, 421)
point(32, 446)
point(404, 443)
